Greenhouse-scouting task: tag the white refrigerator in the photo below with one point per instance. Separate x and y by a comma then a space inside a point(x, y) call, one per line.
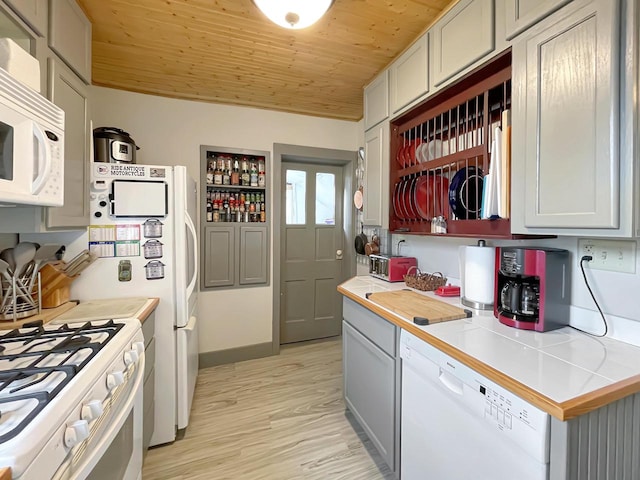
point(142, 228)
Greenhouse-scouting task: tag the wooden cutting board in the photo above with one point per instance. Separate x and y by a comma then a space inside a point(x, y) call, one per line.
point(412, 305)
point(104, 308)
point(46, 316)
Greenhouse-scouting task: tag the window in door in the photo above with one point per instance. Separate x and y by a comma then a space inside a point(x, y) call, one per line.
point(325, 199)
point(295, 202)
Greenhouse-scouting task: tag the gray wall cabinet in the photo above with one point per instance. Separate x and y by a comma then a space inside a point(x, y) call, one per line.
point(371, 371)
point(33, 12)
point(70, 92)
point(235, 256)
point(409, 75)
point(462, 36)
point(566, 121)
point(253, 255)
point(376, 176)
point(376, 100)
point(220, 257)
point(522, 14)
point(70, 36)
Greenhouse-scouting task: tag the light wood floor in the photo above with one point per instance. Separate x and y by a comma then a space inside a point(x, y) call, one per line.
point(276, 418)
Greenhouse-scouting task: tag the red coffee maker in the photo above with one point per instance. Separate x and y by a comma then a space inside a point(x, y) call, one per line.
point(532, 287)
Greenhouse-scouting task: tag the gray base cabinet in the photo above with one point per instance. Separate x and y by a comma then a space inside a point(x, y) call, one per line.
point(148, 388)
point(371, 373)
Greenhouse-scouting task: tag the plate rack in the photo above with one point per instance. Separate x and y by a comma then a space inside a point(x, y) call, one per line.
point(441, 152)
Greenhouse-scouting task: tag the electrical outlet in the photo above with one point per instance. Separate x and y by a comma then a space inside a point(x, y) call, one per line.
point(611, 255)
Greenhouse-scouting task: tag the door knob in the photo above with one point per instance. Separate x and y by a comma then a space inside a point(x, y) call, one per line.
point(338, 254)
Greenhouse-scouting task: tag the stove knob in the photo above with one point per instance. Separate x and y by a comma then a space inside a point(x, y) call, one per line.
point(75, 433)
point(114, 380)
point(91, 410)
point(130, 357)
point(138, 347)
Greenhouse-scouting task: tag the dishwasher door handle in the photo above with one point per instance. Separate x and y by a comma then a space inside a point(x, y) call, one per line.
point(451, 382)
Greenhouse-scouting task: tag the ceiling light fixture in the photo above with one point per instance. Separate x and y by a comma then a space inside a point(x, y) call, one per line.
point(293, 14)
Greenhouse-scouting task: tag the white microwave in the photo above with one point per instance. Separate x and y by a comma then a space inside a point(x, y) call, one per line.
point(31, 146)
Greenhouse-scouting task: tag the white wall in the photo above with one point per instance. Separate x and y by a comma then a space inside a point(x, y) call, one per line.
point(170, 132)
point(617, 293)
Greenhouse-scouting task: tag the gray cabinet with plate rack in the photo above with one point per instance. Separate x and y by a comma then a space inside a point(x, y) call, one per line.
point(234, 217)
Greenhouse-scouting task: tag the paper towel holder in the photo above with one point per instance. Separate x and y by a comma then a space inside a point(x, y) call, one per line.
point(476, 305)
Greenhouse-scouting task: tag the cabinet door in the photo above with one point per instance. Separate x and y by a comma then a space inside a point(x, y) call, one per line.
point(464, 35)
point(409, 75)
point(565, 124)
point(253, 255)
point(369, 390)
point(70, 36)
point(521, 14)
point(376, 100)
point(219, 257)
point(68, 92)
point(33, 12)
point(376, 176)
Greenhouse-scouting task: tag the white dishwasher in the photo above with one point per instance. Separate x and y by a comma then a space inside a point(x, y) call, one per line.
point(458, 425)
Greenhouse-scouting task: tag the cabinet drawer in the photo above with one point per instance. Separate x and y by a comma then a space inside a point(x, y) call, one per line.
point(375, 328)
point(462, 37)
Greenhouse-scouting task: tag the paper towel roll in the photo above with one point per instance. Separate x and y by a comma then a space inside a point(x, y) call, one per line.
point(479, 267)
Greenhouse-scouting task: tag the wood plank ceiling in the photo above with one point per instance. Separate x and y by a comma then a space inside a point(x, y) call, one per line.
point(226, 51)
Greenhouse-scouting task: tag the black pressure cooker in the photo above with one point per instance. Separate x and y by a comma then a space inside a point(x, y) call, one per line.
point(113, 145)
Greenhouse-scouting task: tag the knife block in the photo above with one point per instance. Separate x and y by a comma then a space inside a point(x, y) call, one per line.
point(56, 285)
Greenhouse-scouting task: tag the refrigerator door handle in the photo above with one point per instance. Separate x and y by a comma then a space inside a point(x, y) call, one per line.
point(190, 325)
point(192, 229)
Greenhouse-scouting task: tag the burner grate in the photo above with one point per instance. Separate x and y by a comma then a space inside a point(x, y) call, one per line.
point(36, 353)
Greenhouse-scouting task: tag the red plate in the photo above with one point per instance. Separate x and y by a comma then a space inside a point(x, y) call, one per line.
point(431, 196)
point(407, 156)
point(409, 204)
point(399, 158)
point(396, 201)
point(404, 187)
point(412, 151)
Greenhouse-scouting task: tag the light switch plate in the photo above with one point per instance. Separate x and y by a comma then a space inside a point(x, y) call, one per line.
point(610, 255)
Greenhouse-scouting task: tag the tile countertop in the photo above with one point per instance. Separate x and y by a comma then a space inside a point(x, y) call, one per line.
point(563, 372)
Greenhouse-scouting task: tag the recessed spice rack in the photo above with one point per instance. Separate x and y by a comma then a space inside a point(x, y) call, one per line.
point(441, 153)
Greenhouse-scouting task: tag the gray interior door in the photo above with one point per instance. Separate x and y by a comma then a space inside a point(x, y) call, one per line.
point(311, 251)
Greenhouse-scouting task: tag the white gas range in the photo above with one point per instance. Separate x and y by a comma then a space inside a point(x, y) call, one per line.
point(71, 400)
